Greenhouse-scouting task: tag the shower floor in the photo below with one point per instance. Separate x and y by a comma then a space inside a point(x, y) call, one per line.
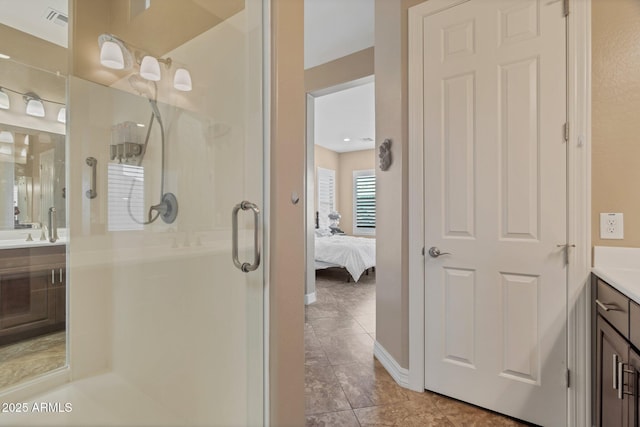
point(103, 400)
point(32, 357)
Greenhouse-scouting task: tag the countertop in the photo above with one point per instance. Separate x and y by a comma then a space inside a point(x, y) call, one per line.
point(619, 267)
point(15, 239)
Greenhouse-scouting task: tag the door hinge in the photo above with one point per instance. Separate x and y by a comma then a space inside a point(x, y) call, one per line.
point(566, 8)
point(566, 131)
point(568, 378)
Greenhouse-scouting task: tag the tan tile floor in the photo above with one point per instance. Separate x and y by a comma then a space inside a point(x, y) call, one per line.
point(346, 386)
point(32, 357)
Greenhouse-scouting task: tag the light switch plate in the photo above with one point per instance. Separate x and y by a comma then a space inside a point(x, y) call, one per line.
point(611, 226)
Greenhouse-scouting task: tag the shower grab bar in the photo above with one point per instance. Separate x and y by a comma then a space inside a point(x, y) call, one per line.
point(53, 227)
point(91, 192)
point(245, 267)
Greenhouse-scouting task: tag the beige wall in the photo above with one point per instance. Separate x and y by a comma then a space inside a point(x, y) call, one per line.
point(342, 70)
point(615, 110)
point(392, 265)
point(287, 265)
point(349, 162)
point(344, 164)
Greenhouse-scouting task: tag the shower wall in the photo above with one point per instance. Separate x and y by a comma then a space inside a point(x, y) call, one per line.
point(164, 307)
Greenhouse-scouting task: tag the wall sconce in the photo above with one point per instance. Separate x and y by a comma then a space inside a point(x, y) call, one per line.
point(35, 107)
point(62, 115)
point(4, 100)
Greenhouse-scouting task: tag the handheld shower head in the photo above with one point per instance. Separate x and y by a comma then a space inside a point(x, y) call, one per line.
point(143, 87)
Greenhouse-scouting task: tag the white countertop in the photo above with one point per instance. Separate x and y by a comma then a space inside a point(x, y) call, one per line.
point(619, 267)
point(14, 239)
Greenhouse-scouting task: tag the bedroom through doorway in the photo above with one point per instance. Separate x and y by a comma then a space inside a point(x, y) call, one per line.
point(340, 288)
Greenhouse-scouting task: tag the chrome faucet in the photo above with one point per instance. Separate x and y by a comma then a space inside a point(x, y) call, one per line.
point(53, 228)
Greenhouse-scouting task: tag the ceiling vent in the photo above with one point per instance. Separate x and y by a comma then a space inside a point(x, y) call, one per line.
point(56, 17)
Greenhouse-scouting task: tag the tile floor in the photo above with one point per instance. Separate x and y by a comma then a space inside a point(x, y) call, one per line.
point(346, 386)
point(32, 357)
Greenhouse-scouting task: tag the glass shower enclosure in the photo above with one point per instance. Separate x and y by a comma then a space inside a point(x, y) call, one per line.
point(164, 210)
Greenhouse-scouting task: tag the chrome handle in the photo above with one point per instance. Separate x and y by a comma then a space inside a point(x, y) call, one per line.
point(60, 276)
point(53, 277)
point(53, 228)
point(620, 381)
point(91, 192)
point(245, 267)
point(435, 252)
point(606, 307)
point(615, 371)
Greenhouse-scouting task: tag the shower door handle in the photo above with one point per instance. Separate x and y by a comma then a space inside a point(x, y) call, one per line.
point(245, 267)
point(91, 192)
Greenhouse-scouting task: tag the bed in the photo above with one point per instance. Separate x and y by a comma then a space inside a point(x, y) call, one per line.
point(355, 254)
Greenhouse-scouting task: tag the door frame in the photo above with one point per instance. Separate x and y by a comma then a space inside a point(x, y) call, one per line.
point(578, 203)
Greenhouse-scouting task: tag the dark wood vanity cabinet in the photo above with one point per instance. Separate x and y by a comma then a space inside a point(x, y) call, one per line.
point(616, 326)
point(32, 292)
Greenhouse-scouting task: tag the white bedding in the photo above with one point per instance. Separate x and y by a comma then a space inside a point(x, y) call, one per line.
point(356, 254)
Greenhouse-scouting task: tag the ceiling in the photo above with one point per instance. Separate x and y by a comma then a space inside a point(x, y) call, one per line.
point(30, 16)
point(336, 28)
point(333, 29)
point(348, 114)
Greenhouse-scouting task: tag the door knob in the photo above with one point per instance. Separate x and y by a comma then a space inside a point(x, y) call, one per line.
point(435, 252)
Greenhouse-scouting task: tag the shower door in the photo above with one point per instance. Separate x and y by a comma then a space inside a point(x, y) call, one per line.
point(156, 298)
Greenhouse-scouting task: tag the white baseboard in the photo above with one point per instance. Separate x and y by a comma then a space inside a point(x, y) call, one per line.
point(310, 298)
point(397, 372)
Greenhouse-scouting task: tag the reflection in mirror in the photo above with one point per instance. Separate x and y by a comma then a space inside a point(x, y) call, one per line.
point(32, 167)
point(32, 181)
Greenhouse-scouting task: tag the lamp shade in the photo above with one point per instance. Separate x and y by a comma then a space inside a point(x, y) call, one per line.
point(62, 115)
point(4, 100)
point(111, 55)
point(150, 68)
point(6, 137)
point(35, 107)
point(182, 80)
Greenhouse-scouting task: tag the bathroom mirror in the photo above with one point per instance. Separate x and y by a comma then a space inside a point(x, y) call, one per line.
point(31, 144)
point(33, 176)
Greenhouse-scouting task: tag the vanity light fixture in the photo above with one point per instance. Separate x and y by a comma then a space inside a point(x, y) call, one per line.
point(4, 100)
point(3, 56)
point(6, 136)
point(347, 139)
point(26, 139)
point(62, 115)
point(182, 80)
point(35, 107)
point(114, 53)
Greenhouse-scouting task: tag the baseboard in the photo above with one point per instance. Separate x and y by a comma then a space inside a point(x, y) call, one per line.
point(397, 372)
point(310, 298)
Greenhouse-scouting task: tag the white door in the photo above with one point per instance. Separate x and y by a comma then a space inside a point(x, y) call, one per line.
point(495, 199)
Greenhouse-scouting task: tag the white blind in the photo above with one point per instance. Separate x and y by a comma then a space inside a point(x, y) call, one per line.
point(326, 195)
point(120, 179)
point(364, 183)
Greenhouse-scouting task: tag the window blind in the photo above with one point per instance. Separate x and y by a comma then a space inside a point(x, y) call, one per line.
point(364, 202)
point(120, 178)
point(326, 195)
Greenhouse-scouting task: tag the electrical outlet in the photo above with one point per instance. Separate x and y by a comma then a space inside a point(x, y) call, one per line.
point(611, 226)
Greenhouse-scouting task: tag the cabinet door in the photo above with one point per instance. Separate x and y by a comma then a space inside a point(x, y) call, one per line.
point(612, 348)
point(634, 388)
point(24, 299)
point(60, 290)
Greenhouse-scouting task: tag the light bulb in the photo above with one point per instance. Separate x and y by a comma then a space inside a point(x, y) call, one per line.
point(111, 55)
point(35, 107)
point(150, 68)
point(182, 80)
point(62, 115)
point(6, 137)
point(4, 100)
